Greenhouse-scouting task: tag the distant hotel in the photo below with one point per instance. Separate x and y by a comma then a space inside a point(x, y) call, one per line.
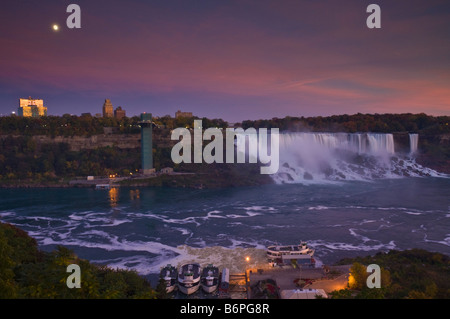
point(31, 108)
point(183, 114)
point(119, 113)
point(108, 110)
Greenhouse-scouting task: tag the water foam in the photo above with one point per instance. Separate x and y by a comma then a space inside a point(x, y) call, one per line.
point(311, 158)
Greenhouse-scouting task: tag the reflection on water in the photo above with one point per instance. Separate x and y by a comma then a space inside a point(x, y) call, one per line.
point(135, 194)
point(113, 196)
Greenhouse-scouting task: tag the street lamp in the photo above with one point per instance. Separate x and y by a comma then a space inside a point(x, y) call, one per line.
point(247, 278)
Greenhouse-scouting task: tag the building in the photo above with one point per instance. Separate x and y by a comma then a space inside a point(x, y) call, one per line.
point(182, 114)
point(108, 110)
point(31, 108)
point(119, 113)
point(146, 144)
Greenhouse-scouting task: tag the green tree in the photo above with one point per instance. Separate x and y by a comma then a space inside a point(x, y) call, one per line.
point(7, 284)
point(161, 291)
point(358, 276)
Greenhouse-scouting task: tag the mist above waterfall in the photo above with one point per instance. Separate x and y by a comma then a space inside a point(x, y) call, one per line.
point(322, 157)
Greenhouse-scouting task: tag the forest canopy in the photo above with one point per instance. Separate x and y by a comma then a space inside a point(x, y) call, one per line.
point(378, 123)
point(72, 125)
point(28, 272)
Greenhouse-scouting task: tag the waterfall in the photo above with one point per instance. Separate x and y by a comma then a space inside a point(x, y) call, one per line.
point(319, 157)
point(413, 143)
point(361, 143)
point(381, 143)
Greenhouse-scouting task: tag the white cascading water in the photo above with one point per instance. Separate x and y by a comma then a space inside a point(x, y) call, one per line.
point(413, 143)
point(323, 157)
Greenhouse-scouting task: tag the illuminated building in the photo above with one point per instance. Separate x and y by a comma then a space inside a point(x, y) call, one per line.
point(108, 110)
point(31, 108)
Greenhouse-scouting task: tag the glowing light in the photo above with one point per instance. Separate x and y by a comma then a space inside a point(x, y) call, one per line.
point(113, 196)
point(55, 27)
point(247, 259)
point(351, 281)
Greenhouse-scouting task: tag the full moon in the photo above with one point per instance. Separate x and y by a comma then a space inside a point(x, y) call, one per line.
point(55, 27)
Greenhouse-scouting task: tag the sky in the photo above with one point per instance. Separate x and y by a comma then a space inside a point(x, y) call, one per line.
point(235, 60)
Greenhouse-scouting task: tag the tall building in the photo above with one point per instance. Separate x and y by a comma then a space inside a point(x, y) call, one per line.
point(108, 110)
point(146, 143)
point(119, 113)
point(31, 108)
point(182, 114)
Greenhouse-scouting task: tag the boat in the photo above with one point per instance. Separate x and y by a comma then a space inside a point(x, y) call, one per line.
point(279, 254)
point(210, 278)
point(169, 274)
point(189, 278)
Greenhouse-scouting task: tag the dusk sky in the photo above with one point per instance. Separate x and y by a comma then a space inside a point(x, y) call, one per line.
point(227, 59)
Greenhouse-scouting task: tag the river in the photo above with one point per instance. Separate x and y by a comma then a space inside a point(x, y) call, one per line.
point(146, 228)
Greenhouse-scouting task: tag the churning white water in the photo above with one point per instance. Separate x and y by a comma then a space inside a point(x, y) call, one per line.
point(324, 157)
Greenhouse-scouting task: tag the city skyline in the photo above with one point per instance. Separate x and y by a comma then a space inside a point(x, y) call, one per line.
point(234, 60)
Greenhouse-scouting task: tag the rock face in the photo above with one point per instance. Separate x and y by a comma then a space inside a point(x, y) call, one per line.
point(434, 152)
point(78, 143)
point(433, 149)
point(161, 139)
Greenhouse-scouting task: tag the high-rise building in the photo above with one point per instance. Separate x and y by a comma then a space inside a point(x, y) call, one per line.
point(31, 108)
point(146, 143)
point(108, 110)
point(119, 113)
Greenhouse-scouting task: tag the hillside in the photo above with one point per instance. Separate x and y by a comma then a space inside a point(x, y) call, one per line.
point(409, 274)
point(28, 272)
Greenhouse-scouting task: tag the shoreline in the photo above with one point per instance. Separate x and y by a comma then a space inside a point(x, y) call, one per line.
point(179, 180)
point(169, 181)
point(332, 277)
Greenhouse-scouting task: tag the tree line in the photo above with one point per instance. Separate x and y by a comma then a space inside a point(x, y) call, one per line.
point(86, 125)
point(379, 123)
point(72, 125)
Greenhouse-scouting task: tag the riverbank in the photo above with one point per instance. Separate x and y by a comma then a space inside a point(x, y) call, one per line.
point(410, 274)
point(190, 176)
point(36, 184)
point(198, 181)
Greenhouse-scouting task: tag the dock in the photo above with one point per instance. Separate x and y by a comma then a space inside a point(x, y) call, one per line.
point(290, 278)
point(239, 286)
